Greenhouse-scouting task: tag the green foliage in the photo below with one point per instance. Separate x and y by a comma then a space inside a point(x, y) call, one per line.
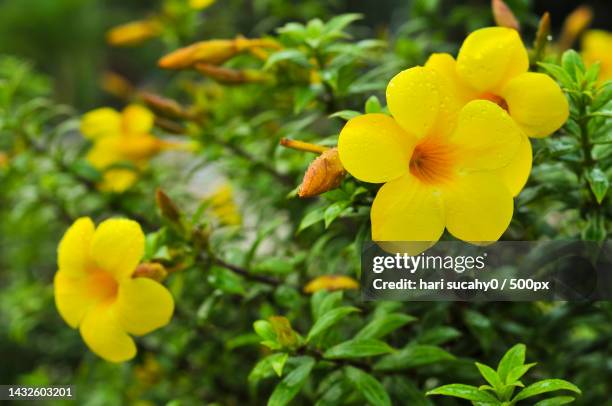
point(503, 382)
point(244, 329)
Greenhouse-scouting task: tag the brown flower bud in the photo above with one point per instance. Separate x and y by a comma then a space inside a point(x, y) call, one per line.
point(324, 173)
point(504, 17)
point(167, 207)
point(151, 270)
point(163, 105)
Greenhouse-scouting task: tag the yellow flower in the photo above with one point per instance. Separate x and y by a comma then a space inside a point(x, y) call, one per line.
point(492, 65)
point(438, 160)
point(120, 137)
point(200, 4)
point(96, 292)
point(224, 207)
point(597, 47)
point(133, 33)
point(331, 282)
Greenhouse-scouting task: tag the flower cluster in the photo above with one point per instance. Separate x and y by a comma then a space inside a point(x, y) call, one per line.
point(455, 149)
point(122, 144)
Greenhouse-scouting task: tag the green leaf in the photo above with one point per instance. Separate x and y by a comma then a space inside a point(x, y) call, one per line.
point(302, 97)
point(372, 105)
point(572, 63)
point(384, 324)
point(328, 319)
point(368, 386)
point(287, 55)
point(268, 366)
point(490, 375)
point(603, 96)
point(357, 348)
point(333, 211)
point(311, 218)
point(547, 385)
point(558, 73)
point(513, 358)
point(340, 22)
point(438, 335)
point(226, 281)
point(413, 356)
point(462, 391)
point(516, 373)
point(599, 183)
point(345, 114)
point(264, 329)
point(289, 387)
point(278, 363)
point(323, 301)
point(556, 401)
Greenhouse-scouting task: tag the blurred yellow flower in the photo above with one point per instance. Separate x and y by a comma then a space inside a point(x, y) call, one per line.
point(492, 65)
point(439, 162)
point(95, 290)
point(120, 138)
point(597, 47)
point(331, 282)
point(224, 207)
point(133, 33)
point(200, 4)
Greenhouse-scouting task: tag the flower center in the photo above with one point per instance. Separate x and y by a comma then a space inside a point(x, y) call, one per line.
point(500, 101)
point(102, 285)
point(433, 161)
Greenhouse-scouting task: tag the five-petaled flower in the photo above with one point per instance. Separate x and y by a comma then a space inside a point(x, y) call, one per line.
point(120, 138)
point(439, 162)
point(492, 65)
point(95, 289)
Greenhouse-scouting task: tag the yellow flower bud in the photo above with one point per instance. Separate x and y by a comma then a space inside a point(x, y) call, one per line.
point(574, 24)
point(200, 4)
point(133, 33)
point(331, 282)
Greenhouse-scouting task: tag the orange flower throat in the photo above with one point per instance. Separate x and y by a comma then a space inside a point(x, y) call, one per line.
point(433, 161)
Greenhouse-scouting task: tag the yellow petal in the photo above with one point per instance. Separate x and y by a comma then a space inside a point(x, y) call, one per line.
point(105, 152)
point(490, 57)
point(73, 251)
point(331, 282)
point(479, 207)
point(143, 305)
point(117, 247)
point(118, 180)
point(446, 65)
point(422, 102)
point(137, 119)
point(100, 123)
point(516, 173)
point(104, 335)
point(373, 148)
point(596, 47)
point(72, 298)
point(200, 4)
point(407, 210)
point(536, 103)
point(486, 135)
